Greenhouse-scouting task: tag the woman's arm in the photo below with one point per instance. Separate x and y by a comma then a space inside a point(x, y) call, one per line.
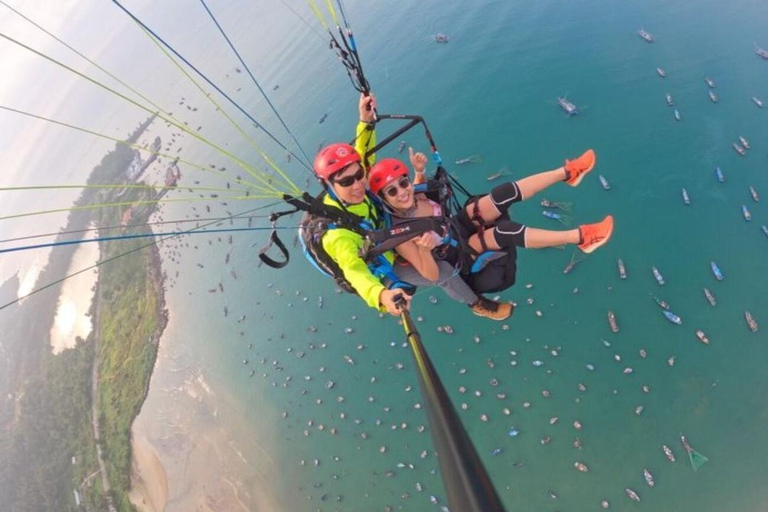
point(420, 256)
point(419, 163)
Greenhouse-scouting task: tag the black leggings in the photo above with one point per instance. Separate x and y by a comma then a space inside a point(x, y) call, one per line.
point(507, 233)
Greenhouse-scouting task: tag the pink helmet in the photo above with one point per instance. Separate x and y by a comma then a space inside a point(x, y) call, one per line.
point(332, 159)
point(385, 172)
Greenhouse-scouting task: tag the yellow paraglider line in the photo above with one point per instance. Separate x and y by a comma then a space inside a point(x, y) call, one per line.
point(194, 134)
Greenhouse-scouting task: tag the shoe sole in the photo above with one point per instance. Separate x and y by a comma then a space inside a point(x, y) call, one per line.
point(592, 248)
point(580, 177)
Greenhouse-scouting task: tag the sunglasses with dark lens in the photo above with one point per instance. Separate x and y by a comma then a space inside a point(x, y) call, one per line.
point(403, 183)
point(348, 181)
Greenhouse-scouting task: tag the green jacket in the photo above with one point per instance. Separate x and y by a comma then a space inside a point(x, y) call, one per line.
point(345, 246)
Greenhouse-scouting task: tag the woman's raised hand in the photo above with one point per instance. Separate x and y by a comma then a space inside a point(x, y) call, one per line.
point(418, 160)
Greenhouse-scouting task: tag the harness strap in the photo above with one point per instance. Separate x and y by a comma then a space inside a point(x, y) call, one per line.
point(275, 240)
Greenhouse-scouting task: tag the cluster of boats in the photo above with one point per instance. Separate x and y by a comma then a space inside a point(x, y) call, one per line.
point(741, 146)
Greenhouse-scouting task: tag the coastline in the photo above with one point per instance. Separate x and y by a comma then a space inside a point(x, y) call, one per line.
point(187, 433)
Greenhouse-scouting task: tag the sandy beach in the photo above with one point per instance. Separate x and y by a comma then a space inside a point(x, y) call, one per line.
point(191, 448)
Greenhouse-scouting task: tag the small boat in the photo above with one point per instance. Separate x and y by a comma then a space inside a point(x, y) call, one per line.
point(657, 275)
point(697, 459)
point(709, 82)
point(673, 317)
point(577, 257)
point(745, 213)
point(323, 118)
point(668, 453)
point(744, 142)
point(473, 159)
point(713, 97)
point(441, 38)
point(662, 304)
point(504, 171)
point(716, 270)
point(546, 203)
point(401, 146)
point(740, 150)
point(702, 337)
point(754, 194)
point(677, 115)
point(661, 72)
point(555, 216)
point(612, 322)
point(622, 269)
point(604, 182)
point(765, 229)
point(710, 297)
point(760, 52)
point(645, 35)
point(567, 106)
point(648, 478)
point(632, 494)
point(757, 102)
point(751, 322)
point(669, 100)
point(719, 174)
point(686, 197)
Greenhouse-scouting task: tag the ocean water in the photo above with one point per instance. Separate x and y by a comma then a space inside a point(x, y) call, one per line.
point(492, 91)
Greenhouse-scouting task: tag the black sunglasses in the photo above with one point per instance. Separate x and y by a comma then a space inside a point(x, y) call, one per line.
point(404, 182)
point(348, 181)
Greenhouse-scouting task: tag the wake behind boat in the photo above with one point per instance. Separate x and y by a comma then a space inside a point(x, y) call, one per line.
point(697, 459)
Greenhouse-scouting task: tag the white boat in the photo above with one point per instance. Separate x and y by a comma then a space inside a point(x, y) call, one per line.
point(710, 297)
point(754, 194)
point(645, 35)
point(669, 100)
point(745, 213)
point(604, 182)
point(740, 150)
point(713, 97)
point(757, 101)
point(744, 142)
point(657, 275)
point(661, 72)
point(686, 197)
point(622, 269)
point(709, 82)
point(567, 106)
point(719, 174)
point(677, 114)
point(761, 53)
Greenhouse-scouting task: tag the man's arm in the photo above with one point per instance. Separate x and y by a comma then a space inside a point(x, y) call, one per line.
point(365, 134)
point(344, 251)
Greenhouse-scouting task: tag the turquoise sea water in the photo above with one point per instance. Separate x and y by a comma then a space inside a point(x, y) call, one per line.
point(492, 90)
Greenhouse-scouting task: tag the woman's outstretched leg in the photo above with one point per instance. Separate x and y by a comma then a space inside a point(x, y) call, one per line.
point(491, 206)
point(507, 233)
